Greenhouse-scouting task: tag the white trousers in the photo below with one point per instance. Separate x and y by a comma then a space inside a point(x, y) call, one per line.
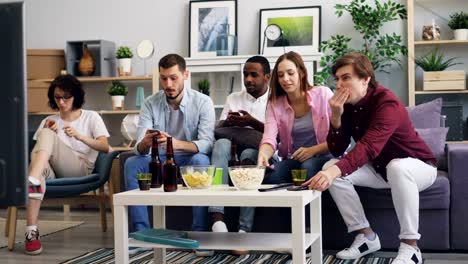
point(406, 178)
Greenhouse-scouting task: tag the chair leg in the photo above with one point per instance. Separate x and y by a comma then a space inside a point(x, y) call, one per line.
point(102, 208)
point(111, 198)
point(7, 224)
point(12, 227)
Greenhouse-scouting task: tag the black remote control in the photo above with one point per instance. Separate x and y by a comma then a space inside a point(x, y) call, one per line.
point(276, 187)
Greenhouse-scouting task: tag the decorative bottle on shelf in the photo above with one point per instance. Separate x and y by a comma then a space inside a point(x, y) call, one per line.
point(170, 169)
point(155, 166)
point(226, 43)
point(86, 65)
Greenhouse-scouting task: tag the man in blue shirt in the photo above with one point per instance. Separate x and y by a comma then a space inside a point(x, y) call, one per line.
point(179, 112)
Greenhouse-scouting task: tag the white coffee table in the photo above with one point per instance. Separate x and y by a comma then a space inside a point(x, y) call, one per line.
point(297, 242)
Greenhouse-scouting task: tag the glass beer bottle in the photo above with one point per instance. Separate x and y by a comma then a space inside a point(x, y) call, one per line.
point(155, 166)
point(170, 169)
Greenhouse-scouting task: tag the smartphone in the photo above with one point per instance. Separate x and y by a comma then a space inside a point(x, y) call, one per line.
point(276, 187)
point(298, 188)
point(152, 131)
point(234, 113)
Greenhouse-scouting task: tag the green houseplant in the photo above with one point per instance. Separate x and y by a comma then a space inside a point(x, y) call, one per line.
point(117, 91)
point(382, 49)
point(435, 76)
point(124, 54)
point(204, 87)
point(459, 24)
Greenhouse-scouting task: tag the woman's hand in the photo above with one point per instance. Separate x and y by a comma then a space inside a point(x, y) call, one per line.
point(72, 132)
point(263, 159)
point(51, 124)
point(304, 153)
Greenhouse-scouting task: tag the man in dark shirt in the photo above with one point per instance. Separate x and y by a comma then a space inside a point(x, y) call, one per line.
point(388, 154)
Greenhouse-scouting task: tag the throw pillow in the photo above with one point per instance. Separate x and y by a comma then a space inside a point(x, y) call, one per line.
point(243, 137)
point(435, 140)
point(426, 115)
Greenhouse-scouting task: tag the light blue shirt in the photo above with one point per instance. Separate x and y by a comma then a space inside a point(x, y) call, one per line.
point(198, 113)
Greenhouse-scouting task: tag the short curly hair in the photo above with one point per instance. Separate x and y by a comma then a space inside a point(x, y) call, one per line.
point(69, 84)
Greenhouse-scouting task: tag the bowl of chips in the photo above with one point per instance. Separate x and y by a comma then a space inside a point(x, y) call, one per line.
point(197, 177)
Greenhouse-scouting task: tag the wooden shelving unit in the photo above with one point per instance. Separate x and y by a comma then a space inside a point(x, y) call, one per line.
point(440, 42)
point(105, 79)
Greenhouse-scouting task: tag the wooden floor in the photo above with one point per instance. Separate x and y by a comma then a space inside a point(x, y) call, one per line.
point(73, 242)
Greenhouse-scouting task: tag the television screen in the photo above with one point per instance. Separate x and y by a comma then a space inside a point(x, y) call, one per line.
point(13, 130)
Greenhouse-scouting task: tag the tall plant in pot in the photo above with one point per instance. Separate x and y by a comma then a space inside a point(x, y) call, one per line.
point(117, 91)
point(124, 54)
point(459, 24)
point(382, 49)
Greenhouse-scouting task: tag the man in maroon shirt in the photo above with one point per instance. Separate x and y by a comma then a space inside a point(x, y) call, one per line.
point(388, 154)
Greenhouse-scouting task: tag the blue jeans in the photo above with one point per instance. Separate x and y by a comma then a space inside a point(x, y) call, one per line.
point(282, 170)
point(139, 164)
point(220, 157)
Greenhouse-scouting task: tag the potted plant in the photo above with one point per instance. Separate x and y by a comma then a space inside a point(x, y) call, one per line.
point(435, 76)
point(382, 49)
point(124, 54)
point(204, 87)
point(117, 91)
point(459, 24)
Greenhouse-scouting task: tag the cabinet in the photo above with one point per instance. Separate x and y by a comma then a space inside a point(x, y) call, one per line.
point(422, 12)
point(97, 99)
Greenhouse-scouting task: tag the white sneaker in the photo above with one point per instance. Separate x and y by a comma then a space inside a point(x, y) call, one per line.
point(361, 246)
point(219, 226)
point(407, 255)
point(204, 252)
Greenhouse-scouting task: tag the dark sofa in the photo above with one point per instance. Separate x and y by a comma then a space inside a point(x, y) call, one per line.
point(443, 211)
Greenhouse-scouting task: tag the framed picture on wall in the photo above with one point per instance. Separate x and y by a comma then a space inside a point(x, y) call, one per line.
point(298, 30)
point(208, 20)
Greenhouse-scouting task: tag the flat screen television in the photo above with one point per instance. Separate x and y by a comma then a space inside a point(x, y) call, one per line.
point(13, 125)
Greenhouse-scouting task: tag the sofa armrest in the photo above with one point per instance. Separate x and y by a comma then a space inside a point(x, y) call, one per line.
point(458, 175)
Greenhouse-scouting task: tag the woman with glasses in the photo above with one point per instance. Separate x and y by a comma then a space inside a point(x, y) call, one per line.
point(67, 145)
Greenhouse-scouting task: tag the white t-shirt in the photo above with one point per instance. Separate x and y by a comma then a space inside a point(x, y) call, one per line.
point(242, 100)
point(88, 124)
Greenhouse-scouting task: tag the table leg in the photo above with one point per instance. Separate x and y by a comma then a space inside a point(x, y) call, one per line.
point(316, 228)
point(298, 235)
point(159, 221)
point(121, 234)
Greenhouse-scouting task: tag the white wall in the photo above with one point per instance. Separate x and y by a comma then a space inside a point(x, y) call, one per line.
point(50, 23)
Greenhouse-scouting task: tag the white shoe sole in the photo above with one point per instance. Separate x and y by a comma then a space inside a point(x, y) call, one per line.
point(367, 252)
point(36, 252)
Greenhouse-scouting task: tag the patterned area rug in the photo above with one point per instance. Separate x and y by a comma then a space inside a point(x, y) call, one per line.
point(106, 256)
point(46, 227)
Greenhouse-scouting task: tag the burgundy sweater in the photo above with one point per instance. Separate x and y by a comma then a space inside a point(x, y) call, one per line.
point(382, 130)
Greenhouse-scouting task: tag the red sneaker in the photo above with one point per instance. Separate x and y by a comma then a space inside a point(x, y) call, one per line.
point(32, 245)
point(34, 191)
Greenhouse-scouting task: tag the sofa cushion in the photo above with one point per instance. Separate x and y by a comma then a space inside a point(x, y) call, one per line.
point(435, 139)
point(426, 115)
point(437, 196)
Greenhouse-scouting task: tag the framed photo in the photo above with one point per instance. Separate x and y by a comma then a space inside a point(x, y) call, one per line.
point(300, 28)
point(208, 20)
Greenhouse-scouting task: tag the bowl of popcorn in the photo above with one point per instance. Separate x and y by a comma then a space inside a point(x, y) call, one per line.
point(197, 177)
point(247, 177)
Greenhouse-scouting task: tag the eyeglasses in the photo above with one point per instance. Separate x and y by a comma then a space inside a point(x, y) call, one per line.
point(64, 98)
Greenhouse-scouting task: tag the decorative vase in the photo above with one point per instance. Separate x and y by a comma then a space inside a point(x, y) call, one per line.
point(86, 66)
point(140, 97)
point(226, 43)
point(118, 102)
point(125, 67)
point(461, 34)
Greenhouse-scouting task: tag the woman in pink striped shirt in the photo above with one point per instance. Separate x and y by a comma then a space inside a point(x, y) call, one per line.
point(297, 121)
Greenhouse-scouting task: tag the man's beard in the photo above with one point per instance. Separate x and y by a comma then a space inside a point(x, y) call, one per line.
point(174, 97)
